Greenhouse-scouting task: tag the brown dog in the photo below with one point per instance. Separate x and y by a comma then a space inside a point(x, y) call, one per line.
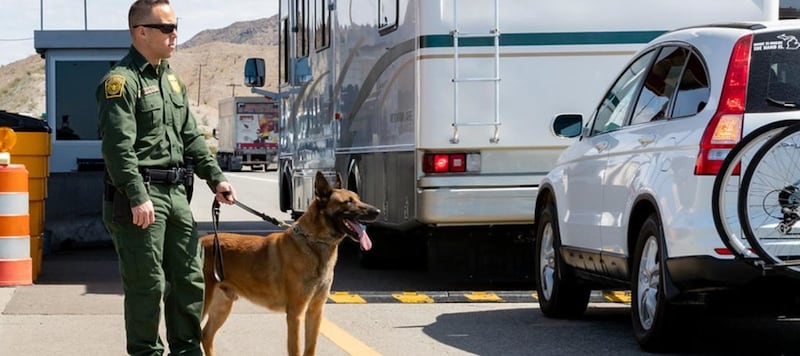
point(289, 271)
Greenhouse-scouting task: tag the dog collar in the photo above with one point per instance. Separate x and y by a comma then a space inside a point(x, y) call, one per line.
point(296, 231)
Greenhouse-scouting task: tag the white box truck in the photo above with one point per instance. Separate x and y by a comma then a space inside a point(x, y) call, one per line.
point(247, 133)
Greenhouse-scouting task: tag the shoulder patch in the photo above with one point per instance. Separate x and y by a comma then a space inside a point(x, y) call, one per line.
point(114, 86)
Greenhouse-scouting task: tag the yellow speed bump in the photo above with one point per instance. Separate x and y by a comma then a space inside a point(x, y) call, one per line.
point(412, 298)
point(346, 298)
point(483, 297)
point(617, 296)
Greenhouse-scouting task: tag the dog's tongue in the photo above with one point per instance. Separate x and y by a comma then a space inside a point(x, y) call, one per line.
point(363, 238)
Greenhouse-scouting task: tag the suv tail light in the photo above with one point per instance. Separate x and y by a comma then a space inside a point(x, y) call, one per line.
point(725, 128)
point(451, 162)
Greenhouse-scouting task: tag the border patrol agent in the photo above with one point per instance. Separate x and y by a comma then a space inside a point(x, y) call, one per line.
point(149, 137)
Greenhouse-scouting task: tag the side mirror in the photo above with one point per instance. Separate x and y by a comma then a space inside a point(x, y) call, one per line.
point(254, 72)
point(568, 125)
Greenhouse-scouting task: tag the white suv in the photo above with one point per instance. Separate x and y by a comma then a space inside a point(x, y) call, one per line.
point(628, 205)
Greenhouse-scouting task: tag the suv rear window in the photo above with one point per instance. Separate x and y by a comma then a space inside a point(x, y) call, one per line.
point(774, 83)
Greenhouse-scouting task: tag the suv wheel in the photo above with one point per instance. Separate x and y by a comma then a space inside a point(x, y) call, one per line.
point(559, 293)
point(651, 314)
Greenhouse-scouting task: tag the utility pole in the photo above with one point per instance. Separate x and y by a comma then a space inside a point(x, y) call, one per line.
point(199, 80)
point(233, 88)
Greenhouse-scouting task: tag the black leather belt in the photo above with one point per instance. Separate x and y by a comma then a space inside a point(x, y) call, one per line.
point(164, 176)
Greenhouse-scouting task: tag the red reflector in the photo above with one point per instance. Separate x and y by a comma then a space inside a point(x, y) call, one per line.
point(723, 251)
point(458, 162)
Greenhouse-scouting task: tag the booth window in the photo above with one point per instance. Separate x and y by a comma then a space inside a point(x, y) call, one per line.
point(76, 107)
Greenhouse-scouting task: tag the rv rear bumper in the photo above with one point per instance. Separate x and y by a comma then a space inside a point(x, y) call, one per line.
point(477, 206)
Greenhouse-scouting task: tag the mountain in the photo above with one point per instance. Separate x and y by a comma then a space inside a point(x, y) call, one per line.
point(210, 63)
point(263, 32)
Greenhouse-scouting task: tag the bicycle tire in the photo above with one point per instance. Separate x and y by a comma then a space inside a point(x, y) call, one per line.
point(769, 184)
point(725, 191)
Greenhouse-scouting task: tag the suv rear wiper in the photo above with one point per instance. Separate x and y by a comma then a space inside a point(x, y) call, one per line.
point(783, 104)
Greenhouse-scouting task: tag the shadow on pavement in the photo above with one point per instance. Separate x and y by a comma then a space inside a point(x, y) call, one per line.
point(481, 333)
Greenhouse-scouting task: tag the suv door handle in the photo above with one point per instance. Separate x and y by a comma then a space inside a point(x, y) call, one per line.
point(601, 146)
point(647, 139)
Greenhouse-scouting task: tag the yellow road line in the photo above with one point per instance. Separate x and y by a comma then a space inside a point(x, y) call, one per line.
point(412, 297)
point(348, 343)
point(346, 298)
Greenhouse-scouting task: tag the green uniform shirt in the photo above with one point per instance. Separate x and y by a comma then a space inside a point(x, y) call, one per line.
point(145, 121)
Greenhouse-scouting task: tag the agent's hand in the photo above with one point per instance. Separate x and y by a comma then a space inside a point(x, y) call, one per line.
point(225, 193)
point(143, 214)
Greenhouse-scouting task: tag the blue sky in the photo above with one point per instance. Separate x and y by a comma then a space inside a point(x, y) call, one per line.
point(19, 18)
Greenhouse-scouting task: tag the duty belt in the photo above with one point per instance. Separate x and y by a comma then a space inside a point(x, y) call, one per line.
point(164, 176)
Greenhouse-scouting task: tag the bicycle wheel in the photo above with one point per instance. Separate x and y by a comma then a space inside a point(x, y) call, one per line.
point(769, 200)
point(726, 187)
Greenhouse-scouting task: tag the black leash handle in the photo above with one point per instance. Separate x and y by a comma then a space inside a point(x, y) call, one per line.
point(218, 265)
point(250, 210)
point(263, 216)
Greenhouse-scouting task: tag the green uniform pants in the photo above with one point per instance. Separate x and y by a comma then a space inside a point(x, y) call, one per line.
point(162, 261)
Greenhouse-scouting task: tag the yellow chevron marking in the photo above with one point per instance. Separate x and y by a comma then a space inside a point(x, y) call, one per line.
point(535, 296)
point(346, 298)
point(412, 298)
point(483, 297)
point(617, 296)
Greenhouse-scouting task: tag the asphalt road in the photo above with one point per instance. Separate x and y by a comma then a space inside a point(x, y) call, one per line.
point(406, 310)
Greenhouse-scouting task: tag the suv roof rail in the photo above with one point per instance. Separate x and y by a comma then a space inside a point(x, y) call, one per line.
point(736, 25)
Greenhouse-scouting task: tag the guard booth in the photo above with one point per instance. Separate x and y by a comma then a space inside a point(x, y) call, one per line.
point(75, 63)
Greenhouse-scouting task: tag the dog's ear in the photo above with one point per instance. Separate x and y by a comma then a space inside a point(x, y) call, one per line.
point(322, 188)
point(338, 184)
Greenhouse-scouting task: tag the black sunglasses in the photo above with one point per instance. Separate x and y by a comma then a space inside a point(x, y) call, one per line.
point(165, 28)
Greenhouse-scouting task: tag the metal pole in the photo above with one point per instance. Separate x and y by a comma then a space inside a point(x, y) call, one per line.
point(233, 88)
point(85, 18)
point(41, 14)
point(199, 80)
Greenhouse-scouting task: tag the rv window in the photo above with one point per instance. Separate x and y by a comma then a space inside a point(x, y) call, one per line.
point(387, 16)
point(285, 46)
point(301, 28)
point(322, 27)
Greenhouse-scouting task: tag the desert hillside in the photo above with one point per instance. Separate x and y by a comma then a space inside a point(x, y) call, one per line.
point(212, 61)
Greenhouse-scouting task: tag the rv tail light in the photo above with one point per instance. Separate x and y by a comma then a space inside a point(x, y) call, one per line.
point(460, 162)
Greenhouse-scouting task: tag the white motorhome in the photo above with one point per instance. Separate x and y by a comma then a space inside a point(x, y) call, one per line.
point(439, 111)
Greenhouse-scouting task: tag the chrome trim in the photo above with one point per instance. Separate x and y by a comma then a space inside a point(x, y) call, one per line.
point(445, 206)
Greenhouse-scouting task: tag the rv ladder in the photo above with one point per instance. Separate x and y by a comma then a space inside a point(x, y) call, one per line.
point(457, 80)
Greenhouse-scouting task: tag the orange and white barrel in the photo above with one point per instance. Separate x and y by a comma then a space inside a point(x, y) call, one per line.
point(15, 248)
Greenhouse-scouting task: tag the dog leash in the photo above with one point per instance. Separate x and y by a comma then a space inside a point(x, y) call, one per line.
point(218, 265)
point(263, 216)
point(219, 268)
